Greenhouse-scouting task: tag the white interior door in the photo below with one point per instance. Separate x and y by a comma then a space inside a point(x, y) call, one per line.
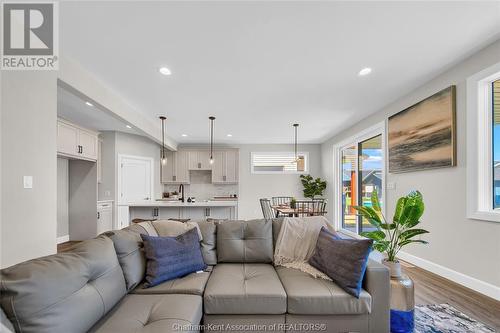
point(136, 179)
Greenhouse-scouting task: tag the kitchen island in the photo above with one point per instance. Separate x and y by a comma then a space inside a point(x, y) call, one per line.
point(215, 209)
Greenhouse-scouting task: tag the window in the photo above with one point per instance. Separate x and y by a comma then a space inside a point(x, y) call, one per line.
point(279, 163)
point(360, 171)
point(483, 145)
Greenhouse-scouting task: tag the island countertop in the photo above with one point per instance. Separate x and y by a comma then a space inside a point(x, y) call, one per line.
point(207, 203)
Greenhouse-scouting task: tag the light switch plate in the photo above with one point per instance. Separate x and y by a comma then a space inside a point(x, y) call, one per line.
point(28, 181)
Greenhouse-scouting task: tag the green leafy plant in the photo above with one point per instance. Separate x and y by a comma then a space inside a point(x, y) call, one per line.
point(312, 187)
point(391, 237)
point(293, 203)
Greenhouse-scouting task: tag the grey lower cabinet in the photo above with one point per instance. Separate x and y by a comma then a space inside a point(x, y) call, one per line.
point(193, 213)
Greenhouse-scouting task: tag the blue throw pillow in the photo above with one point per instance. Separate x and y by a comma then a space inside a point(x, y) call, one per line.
point(343, 260)
point(172, 257)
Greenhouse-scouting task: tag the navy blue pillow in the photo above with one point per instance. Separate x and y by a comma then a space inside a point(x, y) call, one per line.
point(343, 260)
point(172, 257)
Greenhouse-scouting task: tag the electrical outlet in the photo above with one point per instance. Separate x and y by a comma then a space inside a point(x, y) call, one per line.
point(107, 193)
point(28, 181)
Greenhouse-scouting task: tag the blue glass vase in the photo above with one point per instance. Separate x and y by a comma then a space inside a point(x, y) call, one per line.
point(402, 300)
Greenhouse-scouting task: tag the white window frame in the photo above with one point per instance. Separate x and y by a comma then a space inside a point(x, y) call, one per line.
point(479, 145)
point(377, 129)
point(253, 171)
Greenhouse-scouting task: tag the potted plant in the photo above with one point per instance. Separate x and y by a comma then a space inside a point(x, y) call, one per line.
point(389, 238)
point(293, 203)
point(312, 187)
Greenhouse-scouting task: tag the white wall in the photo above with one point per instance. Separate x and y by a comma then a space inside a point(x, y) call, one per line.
point(469, 247)
point(106, 188)
point(29, 115)
point(252, 187)
point(62, 197)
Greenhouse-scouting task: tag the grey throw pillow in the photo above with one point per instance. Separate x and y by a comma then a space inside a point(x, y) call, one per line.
point(343, 260)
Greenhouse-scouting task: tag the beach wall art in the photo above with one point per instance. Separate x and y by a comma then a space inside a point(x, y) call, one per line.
point(423, 136)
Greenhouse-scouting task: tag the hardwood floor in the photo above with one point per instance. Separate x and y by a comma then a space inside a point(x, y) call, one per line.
point(433, 289)
point(66, 246)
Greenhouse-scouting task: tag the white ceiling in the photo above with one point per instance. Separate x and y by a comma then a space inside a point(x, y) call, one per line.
point(261, 66)
point(73, 108)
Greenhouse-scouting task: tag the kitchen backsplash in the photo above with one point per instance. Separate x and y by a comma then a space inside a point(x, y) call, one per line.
point(201, 187)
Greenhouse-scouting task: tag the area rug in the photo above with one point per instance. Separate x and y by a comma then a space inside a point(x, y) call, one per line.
point(443, 318)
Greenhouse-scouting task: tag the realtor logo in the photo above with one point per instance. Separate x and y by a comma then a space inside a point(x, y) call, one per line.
point(30, 36)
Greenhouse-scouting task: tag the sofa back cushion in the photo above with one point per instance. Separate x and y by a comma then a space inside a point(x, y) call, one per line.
point(128, 246)
point(245, 241)
point(67, 292)
point(209, 242)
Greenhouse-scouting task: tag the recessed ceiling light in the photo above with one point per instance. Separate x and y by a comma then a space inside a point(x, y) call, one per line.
point(128, 126)
point(365, 71)
point(184, 135)
point(229, 135)
point(165, 71)
point(89, 104)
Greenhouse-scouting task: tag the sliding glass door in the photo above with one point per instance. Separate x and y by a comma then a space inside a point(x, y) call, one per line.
point(361, 175)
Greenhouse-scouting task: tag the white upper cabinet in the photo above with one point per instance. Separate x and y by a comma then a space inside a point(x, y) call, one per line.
point(232, 166)
point(218, 167)
point(199, 160)
point(225, 167)
point(179, 163)
point(88, 144)
point(77, 142)
point(67, 139)
point(176, 170)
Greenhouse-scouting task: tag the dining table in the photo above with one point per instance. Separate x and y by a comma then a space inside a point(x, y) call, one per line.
point(289, 211)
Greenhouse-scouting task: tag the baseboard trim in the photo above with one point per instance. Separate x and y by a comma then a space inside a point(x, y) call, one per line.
point(62, 239)
point(482, 287)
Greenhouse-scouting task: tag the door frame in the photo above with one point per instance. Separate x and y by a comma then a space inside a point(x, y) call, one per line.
point(119, 174)
point(367, 133)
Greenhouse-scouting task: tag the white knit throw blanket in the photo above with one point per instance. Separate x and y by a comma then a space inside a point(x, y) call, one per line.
point(296, 243)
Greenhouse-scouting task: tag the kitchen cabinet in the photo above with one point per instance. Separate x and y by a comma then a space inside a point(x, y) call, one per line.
point(77, 142)
point(225, 167)
point(199, 160)
point(176, 170)
point(104, 217)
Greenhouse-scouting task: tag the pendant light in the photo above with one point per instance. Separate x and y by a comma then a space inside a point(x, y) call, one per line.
point(212, 118)
point(296, 127)
point(163, 155)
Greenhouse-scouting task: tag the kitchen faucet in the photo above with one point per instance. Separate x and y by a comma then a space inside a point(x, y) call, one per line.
point(181, 191)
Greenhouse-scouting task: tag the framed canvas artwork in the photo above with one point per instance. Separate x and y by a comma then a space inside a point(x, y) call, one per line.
point(423, 136)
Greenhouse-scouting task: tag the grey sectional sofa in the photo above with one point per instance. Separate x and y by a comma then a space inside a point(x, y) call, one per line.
point(97, 287)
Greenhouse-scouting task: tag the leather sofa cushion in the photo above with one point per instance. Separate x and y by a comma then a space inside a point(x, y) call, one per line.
point(128, 246)
point(244, 289)
point(209, 241)
point(145, 228)
point(67, 292)
point(170, 228)
point(152, 314)
point(245, 241)
point(193, 284)
point(312, 296)
point(5, 324)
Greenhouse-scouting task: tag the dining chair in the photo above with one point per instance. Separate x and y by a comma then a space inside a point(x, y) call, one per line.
point(267, 210)
point(281, 200)
point(316, 207)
